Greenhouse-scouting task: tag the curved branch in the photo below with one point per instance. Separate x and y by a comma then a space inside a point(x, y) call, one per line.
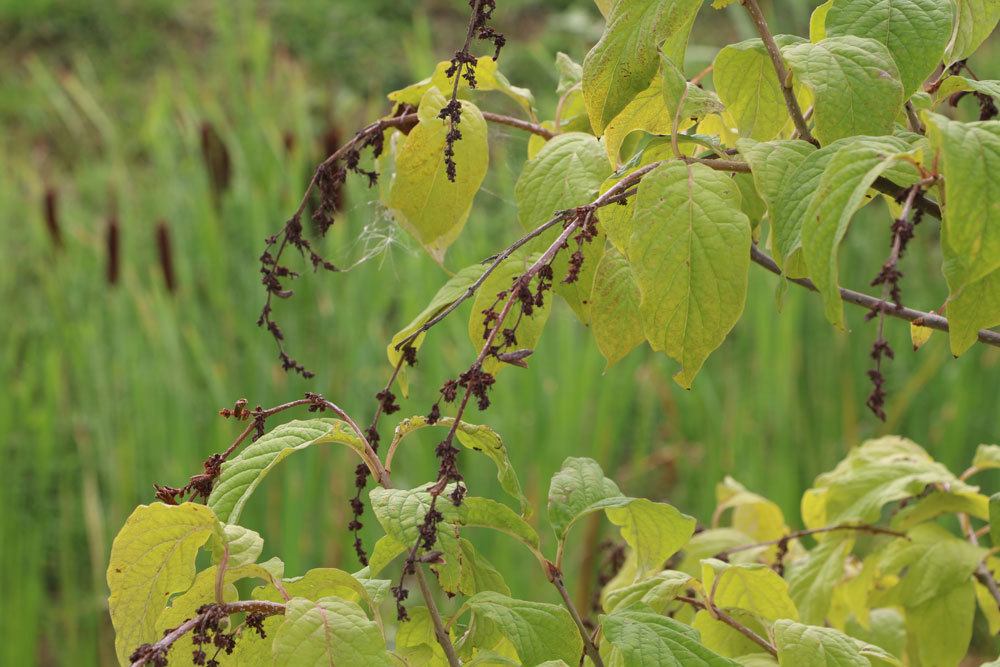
point(799, 534)
point(731, 622)
point(918, 317)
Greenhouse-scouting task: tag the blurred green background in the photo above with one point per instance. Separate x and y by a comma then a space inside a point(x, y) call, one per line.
point(106, 388)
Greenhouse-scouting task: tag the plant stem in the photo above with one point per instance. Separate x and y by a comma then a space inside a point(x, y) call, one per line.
point(440, 632)
point(798, 534)
point(588, 645)
point(731, 622)
point(784, 80)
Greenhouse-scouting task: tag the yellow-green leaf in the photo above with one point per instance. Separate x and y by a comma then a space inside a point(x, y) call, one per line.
point(538, 631)
point(328, 631)
point(421, 198)
point(690, 250)
point(974, 22)
point(614, 308)
point(153, 557)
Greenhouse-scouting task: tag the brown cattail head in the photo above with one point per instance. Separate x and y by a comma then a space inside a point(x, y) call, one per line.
point(50, 208)
point(166, 255)
point(112, 239)
point(216, 157)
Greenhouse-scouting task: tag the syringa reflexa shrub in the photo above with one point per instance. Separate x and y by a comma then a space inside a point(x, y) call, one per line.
point(644, 203)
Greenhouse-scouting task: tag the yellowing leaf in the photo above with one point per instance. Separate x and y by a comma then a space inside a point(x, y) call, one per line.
point(747, 84)
point(421, 198)
point(153, 557)
point(646, 112)
point(538, 631)
point(752, 587)
point(811, 582)
point(919, 335)
point(625, 60)
point(690, 250)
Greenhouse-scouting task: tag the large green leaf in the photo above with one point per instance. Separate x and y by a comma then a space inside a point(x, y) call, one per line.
point(934, 561)
point(538, 631)
point(625, 60)
point(941, 628)
point(328, 631)
point(450, 292)
point(690, 249)
point(244, 472)
point(974, 22)
point(872, 475)
point(781, 170)
point(646, 112)
point(614, 308)
point(915, 32)
point(479, 438)
point(840, 192)
point(654, 592)
point(421, 198)
point(802, 645)
point(811, 582)
point(530, 328)
point(152, 557)
point(693, 101)
point(969, 154)
point(855, 84)
point(642, 638)
point(566, 173)
point(654, 531)
point(747, 84)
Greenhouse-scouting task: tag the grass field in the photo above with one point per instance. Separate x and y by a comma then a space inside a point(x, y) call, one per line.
point(105, 389)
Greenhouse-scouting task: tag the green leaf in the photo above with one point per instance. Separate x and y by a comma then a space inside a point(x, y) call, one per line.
point(479, 438)
point(488, 77)
point(328, 631)
point(321, 582)
point(810, 646)
point(419, 632)
point(872, 475)
point(538, 631)
point(934, 560)
point(152, 557)
point(886, 629)
point(811, 582)
point(570, 73)
point(614, 308)
point(450, 292)
point(781, 170)
point(245, 545)
point(914, 31)
point(244, 472)
point(841, 191)
point(855, 84)
point(566, 173)
point(941, 502)
point(941, 629)
point(974, 22)
point(654, 592)
point(747, 84)
point(678, 93)
point(987, 457)
point(647, 639)
point(529, 331)
point(995, 519)
point(625, 60)
point(753, 587)
point(969, 154)
point(386, 549)
point(690, 250)
point(422, 199)
point(654, 531)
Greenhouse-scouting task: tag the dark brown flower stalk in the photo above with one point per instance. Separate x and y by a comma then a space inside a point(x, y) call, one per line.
point(112, 241)
point(463, 65)
point(889, 277)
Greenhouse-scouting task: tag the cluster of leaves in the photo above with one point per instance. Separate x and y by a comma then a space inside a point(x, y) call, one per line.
point(884, 582)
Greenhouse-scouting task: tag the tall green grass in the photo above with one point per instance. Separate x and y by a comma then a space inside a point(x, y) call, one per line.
point(107, 389)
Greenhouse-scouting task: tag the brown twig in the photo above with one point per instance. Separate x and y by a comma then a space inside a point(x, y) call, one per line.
point(151, 651)
point(555, 576)
point(799, 534)
point(784, 78)
point(731, 622)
